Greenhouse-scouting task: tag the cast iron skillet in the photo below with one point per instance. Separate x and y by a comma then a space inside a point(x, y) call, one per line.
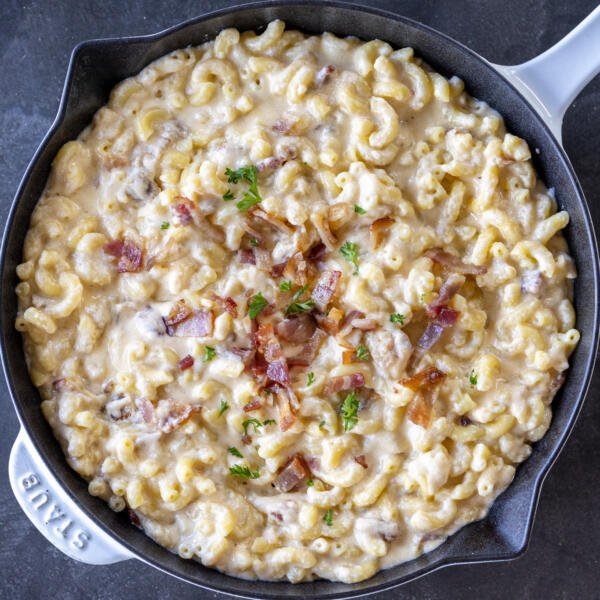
point(97, 66)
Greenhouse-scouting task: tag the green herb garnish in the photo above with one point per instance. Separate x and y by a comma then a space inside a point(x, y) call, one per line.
point(269, 422)
point(209, 353)
point(350, 411)
point(249, 173)
point(310, 379)
point(257, 305)
point(223, 407)
point(322, 424)
point(251, 423)
point(285, 286)
point(235, 452)
point(228, 195)
point(359, 209)
point(473, 378)
point(165, 225)
point(298, 307)
point(328, 517)
point(243, 471)
point(362, 353)
point(397, 318)
point(310, 482)
point(349, 251)
point(253, 242)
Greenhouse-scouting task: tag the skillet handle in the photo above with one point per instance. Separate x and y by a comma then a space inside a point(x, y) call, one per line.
point(54, 513)
point(552, 80)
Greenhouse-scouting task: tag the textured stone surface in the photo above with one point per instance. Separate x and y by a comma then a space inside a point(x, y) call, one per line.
point(35, 41)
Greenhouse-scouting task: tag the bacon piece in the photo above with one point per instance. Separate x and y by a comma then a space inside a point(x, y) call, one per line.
point(446, 293)
point(114, 248)
point(347, 324)
point(246, 354)
point(297, 329)
point(278, 371)
point(185, 322)
point(446, 317)
point(277, 270)
point(170, 414)
point(278, 224)
point(253, 405)
point(270, 348)
point(246, 256)
point(262, 259)
point(295, 269)
point(183, 210)
point(317, 253)
point(344, 382)
point(294, 472)
point(230, 306)
point(178, 313)
point(135, 520)
point(286, 414)
point(324, 74)
point(362, 461)
point(325, 288)
point(129, 254)
point(377, 229)
point(331, 323)
point(419, 410)
point(306, 356)
point(425, 378)
point(453, 263)
point(187, 362)
point(322, 226)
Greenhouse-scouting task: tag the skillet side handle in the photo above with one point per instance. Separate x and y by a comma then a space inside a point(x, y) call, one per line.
point(54, 513)
point(552, 80)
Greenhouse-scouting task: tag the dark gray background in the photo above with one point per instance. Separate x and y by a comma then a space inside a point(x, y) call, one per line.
point(35, 41)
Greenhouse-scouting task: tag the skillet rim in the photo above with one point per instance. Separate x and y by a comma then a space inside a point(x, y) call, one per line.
point(587, 360)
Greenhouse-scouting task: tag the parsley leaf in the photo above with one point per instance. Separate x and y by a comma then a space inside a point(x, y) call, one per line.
point(223, 407)
point(269, 422)
point(473, 378)
point(322, 424)
point(228, 195)
point(243, 471)
point(251, 422)
point(362, 353)
point(165, 225)
point(310, 379)
point(248, 173)
point(359, 209)
point(349, 251)
point(397, 318)
point(299, 293)
point(209, 353)
point(257, 305)
point(350, 411)
point(328, 517)
point(297, 307)
point(285, 286)
point(253, 242)
point(310, 482)
point(235, 452)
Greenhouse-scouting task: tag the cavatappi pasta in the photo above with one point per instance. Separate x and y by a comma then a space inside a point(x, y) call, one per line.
point(298, 302)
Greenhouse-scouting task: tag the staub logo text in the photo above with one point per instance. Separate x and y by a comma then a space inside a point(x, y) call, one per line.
point(51, 514)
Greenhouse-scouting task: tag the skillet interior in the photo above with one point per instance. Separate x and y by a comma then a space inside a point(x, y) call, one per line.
point(97, 66)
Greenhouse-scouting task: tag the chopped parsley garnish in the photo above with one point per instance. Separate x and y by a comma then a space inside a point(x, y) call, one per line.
point(328, 517)
point(397, 318)
point(362, 353)
point(251, 423)
point(349, 251)
point(473, 378)
point(322, 424)
point(165, 225)
point(209, 353)
point(310, 379)
point(235, 452)
point(299, 293)
point(269, 422)
point(359, 209)
point(422, 298)
point(257, 305)
point(253, 242)
point(285, 286)
point(223, 407)
point(249, 173)
point(350, 411)
point(298, 307)
point(310, 482)
point(228, 195)
point(243, 471)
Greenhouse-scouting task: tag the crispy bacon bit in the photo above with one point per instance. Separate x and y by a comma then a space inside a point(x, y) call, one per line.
point(419, 410)
point(322, 226)
point(377, 230)
point(246, 256)
point(277, 516)
point(135, 520)
point(286, 414)
point(278, 224)
point(340, 214)
point(446, 293)
point(178, 313)
point(347, 324)
point(453, 263)
point(425, 378)
point(293, 473)
point(278, 371)
point(270, 348)
point(464, 421)
point(187, 362)
point(362, 461)
point(246, 354)
point(331, 323)
point(325, 288)
point(324, 74)
point(171, 414)
point(295, 269)
point(277, 270)
point(306, 356)
point(298, 328)
point(230, 306)
point(316, 253)
point(183, 210)
point(129, 254)
point(344, 382)
point(253, 405)
point(185, 322)
point(349, 357)
point(433, 332)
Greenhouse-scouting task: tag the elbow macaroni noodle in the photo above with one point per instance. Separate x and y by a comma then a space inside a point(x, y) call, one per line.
point(344, 133)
